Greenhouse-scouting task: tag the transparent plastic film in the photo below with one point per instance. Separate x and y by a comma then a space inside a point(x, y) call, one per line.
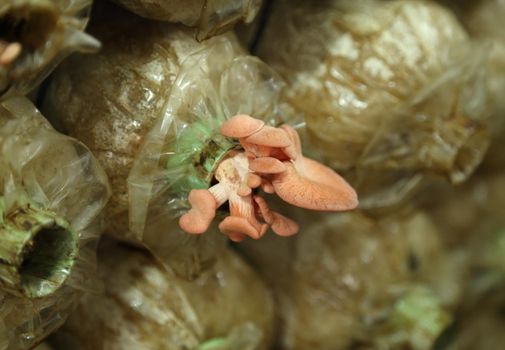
point(35, 35)
point(154, 124)
point(390, 92)
point(209, 17)
point(149, 307)
point(52, 192)
point(482, 20)
point(348, 278)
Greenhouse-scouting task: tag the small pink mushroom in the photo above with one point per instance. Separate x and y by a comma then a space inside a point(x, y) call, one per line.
point(281, 225)
point(311, 185)
point(9, 52)
point(244, 190)
point(238, 226)
point(301, 181)
point(253, 181)
point(201, 214)
point(267, 187)
point(243, 208)
point(241, 126)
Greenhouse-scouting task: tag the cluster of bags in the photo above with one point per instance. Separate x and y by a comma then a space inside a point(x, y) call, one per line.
point(403, 98)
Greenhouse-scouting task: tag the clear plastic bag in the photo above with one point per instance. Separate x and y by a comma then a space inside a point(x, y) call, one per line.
point(146, 306)
point(52, 192)
point(45, 31)
point(210, 17)
point(349, 280)
point(150, 111)
point(390, 91)
point(483, 21)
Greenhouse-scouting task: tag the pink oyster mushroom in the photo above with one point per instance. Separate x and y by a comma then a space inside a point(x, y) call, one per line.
point(9, 52)
point(271, 160)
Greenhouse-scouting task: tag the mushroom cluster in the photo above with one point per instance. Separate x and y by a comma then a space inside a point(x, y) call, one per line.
point(271, 159)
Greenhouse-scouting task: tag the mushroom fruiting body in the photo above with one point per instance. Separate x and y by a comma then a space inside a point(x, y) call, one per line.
point(272, 160)
point(9, 52)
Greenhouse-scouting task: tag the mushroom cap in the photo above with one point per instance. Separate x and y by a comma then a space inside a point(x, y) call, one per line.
point(253, 181)
point(311, 185)
point(281, 225)
point(294, 150)
point(203, 210)
point(270, 137)
point(233, 226)
point(9, 52)
point(241, 126)
point(284, 226)
point(267, 165)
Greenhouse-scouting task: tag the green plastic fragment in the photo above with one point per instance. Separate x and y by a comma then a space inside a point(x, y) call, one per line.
point(420, 315)
point(213, 344)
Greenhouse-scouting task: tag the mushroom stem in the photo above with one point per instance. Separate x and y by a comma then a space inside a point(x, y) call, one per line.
point(203, 210)
point(37, 251)
point(220, 193)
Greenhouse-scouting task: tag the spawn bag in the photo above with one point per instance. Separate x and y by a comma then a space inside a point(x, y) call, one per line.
point(210, 17)
point(351, 281)
point(51, 194)
point(149, 106)
point(146, 306)
point(483, 21)
point(43, 32)
point(390, 91)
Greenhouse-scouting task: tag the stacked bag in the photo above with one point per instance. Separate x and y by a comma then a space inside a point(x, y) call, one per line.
point(141, 116)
